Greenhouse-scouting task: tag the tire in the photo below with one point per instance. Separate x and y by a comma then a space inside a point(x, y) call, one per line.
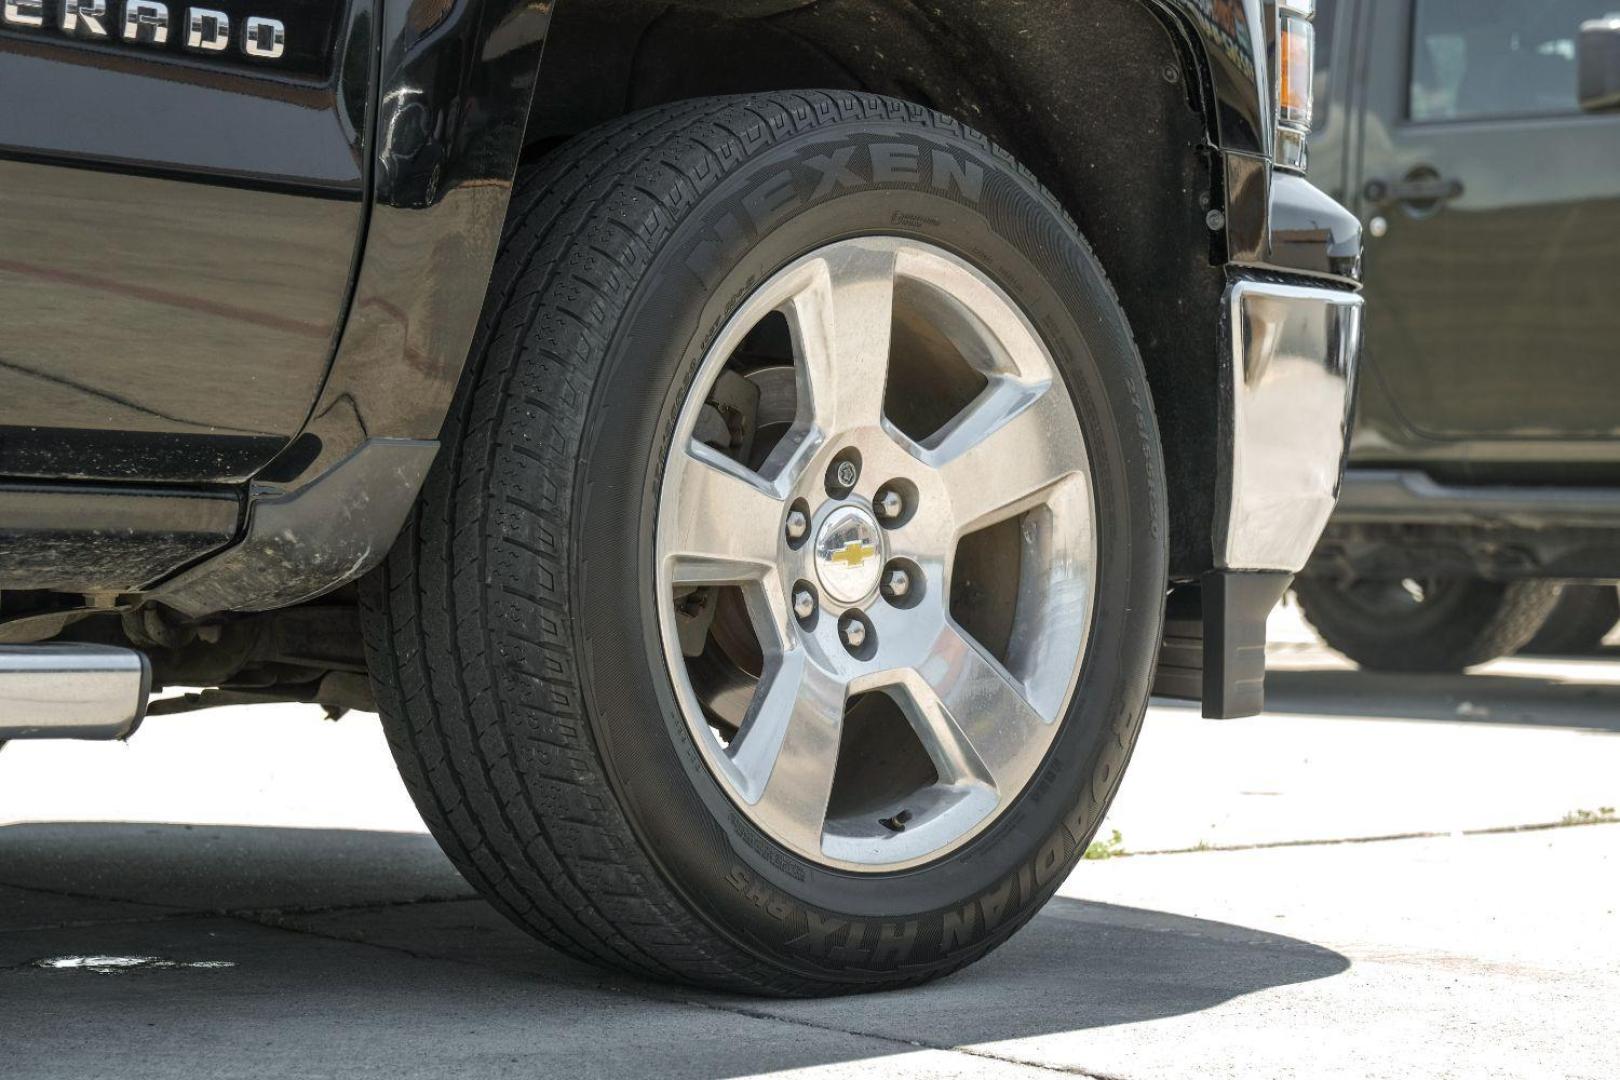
point(1579, 622)
point(518, 635)
point(1439, 625)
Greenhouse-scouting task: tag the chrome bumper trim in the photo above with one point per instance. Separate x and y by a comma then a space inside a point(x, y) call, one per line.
point(70, 691)
point(1294, 355)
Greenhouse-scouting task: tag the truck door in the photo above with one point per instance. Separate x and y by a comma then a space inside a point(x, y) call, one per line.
point(181, 191)
point(1492, 206)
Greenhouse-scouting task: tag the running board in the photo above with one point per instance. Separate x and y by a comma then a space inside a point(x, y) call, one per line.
point(63, 691)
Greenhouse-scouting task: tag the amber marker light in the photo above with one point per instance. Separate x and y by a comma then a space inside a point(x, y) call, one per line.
point(1296, 68)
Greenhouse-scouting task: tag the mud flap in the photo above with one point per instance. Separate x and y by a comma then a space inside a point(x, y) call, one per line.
point(1214, 647)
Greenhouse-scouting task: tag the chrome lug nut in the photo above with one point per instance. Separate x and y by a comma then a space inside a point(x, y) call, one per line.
point(804, 604)
point(889, 505)
point(854, 633)
point(797, 525)
point(896, 583)
point(845, 473)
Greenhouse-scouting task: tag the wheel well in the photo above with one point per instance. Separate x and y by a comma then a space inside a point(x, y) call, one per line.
point(1091, 95)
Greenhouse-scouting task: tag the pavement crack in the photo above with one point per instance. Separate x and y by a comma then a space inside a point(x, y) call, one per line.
point(254, 917)
point(265, 917)
point(343, 909)
point(261, 915)
point(895, 1040)
point(1382, 838)
point(81, 924)
point(70, 894)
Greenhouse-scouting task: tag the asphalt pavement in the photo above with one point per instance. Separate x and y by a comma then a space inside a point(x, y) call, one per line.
point(1380, 877)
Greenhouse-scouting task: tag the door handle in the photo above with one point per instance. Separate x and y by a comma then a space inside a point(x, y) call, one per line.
point(1420, 190)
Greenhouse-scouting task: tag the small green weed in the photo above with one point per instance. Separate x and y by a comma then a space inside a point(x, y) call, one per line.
point(1106, 849)
point(1600, 816)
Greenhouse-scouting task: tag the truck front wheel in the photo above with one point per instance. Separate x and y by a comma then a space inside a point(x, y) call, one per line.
point(780, 613)
point(1427, 624)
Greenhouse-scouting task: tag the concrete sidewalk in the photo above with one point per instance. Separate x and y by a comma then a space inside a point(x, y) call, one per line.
point(309, 929)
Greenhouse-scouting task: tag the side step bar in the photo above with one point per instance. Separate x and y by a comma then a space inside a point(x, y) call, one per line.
point(64, 691)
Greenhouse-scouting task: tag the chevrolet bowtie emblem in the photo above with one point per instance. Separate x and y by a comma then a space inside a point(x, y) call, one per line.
point(854, 553)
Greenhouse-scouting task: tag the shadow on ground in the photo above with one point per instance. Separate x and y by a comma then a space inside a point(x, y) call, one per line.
point(356, 953)
point(1470, 698)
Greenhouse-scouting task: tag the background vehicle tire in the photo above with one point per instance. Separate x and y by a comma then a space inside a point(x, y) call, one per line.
point(1436, 625)
point(1579, 622)
point(517, 634)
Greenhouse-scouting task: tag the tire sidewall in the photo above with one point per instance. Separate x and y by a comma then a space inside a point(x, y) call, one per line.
point(889, 178)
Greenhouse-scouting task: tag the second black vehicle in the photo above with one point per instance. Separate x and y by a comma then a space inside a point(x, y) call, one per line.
point(1479, 140)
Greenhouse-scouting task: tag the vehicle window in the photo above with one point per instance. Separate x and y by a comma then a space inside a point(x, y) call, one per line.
point(1478, 59)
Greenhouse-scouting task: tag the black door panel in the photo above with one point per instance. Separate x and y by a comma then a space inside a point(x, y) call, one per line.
point(1492, 277)
point(177, 235)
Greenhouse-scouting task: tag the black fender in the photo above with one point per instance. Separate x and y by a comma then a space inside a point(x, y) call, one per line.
point(1272, 220)
point(448, 123)
point(450, 107)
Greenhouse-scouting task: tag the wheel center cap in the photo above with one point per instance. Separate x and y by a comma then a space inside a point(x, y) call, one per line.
point(849, 554)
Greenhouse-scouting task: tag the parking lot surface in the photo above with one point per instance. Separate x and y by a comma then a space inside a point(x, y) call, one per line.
point(1381, 876)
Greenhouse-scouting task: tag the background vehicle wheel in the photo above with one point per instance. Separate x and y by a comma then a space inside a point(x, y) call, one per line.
point(780, 613)
point(1435, 624)
point(1579, 622)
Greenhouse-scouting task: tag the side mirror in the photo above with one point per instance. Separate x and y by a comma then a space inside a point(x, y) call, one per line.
point(1598, 62)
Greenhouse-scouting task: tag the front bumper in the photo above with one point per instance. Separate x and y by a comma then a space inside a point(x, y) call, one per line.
point(1286, 424)
point(1288, 383)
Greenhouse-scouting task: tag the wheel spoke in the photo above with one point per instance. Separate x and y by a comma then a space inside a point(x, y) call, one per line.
point(841, 326)
point(787, 750)
point(726, 522)
point(973, 716)
point(1007, 451)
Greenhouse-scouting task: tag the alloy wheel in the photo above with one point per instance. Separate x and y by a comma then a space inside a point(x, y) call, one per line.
point(876, 554)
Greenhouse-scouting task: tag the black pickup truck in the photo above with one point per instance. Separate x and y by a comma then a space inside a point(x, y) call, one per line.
point(747, 455)
point(1480, 142)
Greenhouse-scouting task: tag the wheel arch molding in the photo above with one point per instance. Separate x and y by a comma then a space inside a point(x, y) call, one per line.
point(447, 122)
